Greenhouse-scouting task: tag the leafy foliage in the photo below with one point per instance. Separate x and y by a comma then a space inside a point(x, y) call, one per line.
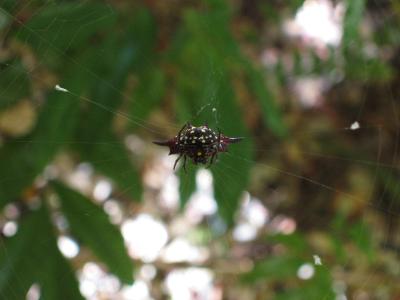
point(134, 70)
point(90, 224)
point(31, 257)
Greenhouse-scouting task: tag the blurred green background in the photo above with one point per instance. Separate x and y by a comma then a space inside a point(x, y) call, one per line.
point(306, 207)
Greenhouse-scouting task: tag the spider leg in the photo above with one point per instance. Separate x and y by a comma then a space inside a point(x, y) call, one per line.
point(176, 161)
point(219, 139)
point(180, 131)
point(213, 156)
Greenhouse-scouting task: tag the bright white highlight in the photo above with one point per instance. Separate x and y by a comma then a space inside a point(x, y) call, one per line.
point(113, 209)
point(60, 89)
point(148, 272)
point(138, 291)
point(68, 247)
point(33, 292)
point(94, 283)
point(169, 194)
point(180, 250)
point(244, 232)
point(81, 178)
point(355, 126)
point(306, 271)
point(10, 228)
point(317, 260)
point(318, 22)
point(202, 202)
point(253, 216)
point(102, 190)
point(184, 283)
point(145, 237)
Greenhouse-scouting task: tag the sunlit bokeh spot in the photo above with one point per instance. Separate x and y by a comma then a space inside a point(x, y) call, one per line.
point(95, 283)
point(318, 22)
point(148, 272)
point(244, 232)
point(10, 228)
point(113, 209)
point(68, 247)
point(190, 283)
point(102, 190)
point(138, 291)
point(145, 237)
point(202, 202)
point(306, 271)
point(33, 292)
point(180, 250)
point(81, 177)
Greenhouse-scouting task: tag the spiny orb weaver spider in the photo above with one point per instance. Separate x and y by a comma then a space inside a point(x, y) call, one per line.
point(198, 143)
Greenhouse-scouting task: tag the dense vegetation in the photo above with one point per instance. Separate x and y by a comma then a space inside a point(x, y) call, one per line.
point(136, 71)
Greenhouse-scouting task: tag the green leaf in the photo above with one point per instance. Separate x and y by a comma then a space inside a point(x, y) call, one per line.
point(274, 268)
point(59, 281)
point(57, 28)
point(6, 9)
point(352, 21)
point(148, 94)
point(22, 160)
point(358, 65)
point(295, 242)
point(110, 157)
point(360, 233)
point(317, 287)
point(90, 224)
point(272, 115)
point(19, 260)
point(231, 172)
point(187, 183)
point(32, 256)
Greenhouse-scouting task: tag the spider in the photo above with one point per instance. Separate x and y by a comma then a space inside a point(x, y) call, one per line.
point(201, 144)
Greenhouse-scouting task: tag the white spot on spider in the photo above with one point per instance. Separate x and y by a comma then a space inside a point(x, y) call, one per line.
point(193, 142)
point(203, 141)
point(60, 89)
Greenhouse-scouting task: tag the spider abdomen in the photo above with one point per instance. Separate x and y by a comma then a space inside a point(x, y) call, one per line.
point(201, 144)
point(198, 143)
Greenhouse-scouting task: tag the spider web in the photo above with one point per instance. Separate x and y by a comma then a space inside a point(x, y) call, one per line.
point(278, 179)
